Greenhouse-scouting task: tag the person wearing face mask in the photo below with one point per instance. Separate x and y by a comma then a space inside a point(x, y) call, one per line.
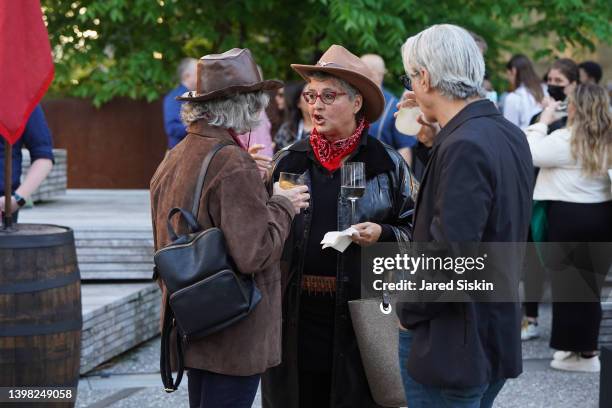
point(574, 183)
point(562, 78)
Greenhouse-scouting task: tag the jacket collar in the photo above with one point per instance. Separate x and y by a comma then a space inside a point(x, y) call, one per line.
point(203, 129)
point(478, 108)
point(370, 151)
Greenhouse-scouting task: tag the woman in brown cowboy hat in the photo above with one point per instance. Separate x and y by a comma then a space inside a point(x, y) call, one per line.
point(224, 368)
point(321, 366)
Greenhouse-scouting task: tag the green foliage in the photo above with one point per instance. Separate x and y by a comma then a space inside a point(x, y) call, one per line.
point(109, 48)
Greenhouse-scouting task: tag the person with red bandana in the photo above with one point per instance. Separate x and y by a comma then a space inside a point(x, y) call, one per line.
point(321, 365)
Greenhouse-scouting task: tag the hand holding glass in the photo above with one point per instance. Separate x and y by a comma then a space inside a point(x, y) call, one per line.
point(406, 117)
point(288, 181)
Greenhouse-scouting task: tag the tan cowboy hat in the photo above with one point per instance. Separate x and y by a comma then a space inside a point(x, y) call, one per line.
point(341, 63)
point(227, 74)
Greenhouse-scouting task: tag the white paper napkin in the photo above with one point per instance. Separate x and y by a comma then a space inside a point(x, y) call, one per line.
point(339, 240)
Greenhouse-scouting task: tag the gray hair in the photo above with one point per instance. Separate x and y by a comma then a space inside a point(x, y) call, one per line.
point(324, 76)
point(184, 65)
point(450, 56)
point(240, 112)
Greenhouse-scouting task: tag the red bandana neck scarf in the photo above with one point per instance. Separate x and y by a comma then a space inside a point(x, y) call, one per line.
point(330, 154)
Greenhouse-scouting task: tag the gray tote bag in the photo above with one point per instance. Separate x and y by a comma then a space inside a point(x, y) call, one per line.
point(378, 338)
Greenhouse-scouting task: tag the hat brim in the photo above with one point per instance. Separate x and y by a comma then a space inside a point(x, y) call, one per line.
point(268, 85)
point(373, 98)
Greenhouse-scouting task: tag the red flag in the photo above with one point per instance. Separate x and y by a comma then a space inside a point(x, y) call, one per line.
point(26, 65)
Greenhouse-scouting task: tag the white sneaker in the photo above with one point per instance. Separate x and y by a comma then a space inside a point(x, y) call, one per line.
point(561, 355)
point(575, 362)
point(529, 331)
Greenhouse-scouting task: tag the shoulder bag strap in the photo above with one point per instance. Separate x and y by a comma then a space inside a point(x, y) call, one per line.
point(170, 385)
point(195, 209)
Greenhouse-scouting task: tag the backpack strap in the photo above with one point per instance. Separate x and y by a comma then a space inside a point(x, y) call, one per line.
point(191, 218)
point(170, 385)
point(195, 209)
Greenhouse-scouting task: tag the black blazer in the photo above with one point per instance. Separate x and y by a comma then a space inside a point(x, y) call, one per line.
point(477, 187)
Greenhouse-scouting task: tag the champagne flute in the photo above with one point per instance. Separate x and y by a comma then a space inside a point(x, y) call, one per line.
point(353, 183)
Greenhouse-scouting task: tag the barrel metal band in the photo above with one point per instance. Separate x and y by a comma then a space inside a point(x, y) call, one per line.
point(41, 329)
point(39, 285)
point(17, 241)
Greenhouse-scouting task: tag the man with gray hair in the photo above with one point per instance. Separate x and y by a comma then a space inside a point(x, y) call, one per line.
point(477, 188)
point(175, 129)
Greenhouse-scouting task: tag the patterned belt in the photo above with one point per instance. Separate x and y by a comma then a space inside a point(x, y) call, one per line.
point(314, 284)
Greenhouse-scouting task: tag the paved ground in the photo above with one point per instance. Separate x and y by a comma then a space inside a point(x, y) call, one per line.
point(132, 380)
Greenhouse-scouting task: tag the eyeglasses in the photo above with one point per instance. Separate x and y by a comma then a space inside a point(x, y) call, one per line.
point(327, 97)
point(406, 82)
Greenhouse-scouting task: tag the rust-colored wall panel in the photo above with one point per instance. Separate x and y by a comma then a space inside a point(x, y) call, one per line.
point(116, 146)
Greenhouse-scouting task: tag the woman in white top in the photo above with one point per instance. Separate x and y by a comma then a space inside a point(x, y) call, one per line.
point(574, 162)
point(562, 78)
point(524, 102)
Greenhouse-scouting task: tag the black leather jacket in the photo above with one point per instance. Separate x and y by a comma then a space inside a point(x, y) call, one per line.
point(389, 201)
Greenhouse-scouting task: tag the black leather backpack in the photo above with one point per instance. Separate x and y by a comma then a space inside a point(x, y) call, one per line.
point(205, 293)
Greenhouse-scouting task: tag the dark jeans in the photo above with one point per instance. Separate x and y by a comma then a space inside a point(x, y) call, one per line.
point(424, 396)
point(211, 390)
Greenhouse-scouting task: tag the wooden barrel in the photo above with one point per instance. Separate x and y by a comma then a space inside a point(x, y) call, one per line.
point(40, 309)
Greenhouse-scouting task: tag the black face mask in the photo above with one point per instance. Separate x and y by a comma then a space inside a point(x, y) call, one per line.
point(556, 92)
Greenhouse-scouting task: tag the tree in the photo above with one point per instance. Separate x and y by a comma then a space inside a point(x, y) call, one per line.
point(109, 48)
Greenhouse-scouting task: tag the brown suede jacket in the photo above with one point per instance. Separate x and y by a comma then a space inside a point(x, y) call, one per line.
point(255, 226)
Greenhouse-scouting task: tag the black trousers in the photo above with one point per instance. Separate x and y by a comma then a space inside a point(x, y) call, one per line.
point(533, 279)
point(212, 390)
point(315, 349)
point(315, 389)
point(575, 325)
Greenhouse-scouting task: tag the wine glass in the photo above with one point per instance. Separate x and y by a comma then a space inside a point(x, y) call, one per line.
point(353, 183)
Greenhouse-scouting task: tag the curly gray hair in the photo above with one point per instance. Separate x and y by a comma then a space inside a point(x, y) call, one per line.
point(240, 112)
